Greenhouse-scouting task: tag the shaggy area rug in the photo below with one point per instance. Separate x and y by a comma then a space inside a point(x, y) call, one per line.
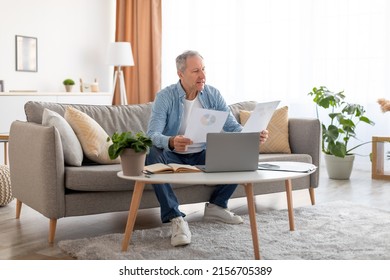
point(332, 231)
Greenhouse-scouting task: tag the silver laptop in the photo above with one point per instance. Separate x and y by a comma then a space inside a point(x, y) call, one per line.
point(233, 151)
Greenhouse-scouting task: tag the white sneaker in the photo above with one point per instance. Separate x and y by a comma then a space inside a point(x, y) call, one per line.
point(181, 234)
point(214, 212)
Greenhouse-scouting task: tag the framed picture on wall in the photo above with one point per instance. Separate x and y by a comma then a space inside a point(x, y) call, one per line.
point(1, 85)
point(26, 53)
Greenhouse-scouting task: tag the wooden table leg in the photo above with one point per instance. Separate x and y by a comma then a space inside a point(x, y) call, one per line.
point(252, 218)
point(134, 205)
point(290, 206)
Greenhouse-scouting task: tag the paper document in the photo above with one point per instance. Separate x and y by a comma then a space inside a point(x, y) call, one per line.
point(260, 117)
point(287, 166)
point(202, 121)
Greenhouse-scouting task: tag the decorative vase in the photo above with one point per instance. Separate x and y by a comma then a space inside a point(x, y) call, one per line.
point(94, 87)
point(133, 163)
point(339, 168)
point(68, 88)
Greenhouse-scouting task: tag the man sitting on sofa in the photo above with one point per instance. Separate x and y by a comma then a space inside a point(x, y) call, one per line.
point(167, 125)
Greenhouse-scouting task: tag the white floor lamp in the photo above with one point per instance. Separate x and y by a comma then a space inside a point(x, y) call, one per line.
point(120, 54)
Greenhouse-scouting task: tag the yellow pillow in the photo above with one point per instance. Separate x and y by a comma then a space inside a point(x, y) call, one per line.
point(92, 137)
point(277, 141)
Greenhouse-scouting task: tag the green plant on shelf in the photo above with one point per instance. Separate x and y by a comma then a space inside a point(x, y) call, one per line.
point(68, 82)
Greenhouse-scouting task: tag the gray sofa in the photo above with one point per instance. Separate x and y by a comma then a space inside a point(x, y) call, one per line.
point(41, 180)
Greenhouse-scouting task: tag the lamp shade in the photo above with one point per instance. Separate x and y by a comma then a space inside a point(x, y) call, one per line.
point(120, 54)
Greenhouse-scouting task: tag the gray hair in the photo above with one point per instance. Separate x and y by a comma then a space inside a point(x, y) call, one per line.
point(182, 59)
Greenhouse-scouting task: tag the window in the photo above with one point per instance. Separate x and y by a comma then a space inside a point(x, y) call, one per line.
point(259, 50)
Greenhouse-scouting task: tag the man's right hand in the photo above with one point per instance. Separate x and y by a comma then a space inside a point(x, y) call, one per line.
point(179, 143)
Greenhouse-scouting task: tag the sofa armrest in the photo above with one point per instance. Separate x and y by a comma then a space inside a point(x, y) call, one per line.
point(305, 138)
point(37, 167)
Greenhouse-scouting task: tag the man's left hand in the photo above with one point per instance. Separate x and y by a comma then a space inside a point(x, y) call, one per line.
point(263, 136)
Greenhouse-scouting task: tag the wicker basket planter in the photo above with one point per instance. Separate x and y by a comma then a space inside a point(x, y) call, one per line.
point(5, 186)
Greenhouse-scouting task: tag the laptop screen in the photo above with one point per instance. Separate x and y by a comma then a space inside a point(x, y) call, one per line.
point(234, 151)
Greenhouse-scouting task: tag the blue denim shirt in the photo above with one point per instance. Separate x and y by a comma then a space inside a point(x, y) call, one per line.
point(168, 108)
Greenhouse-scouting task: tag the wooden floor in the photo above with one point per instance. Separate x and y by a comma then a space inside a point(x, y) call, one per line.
point(26, 238)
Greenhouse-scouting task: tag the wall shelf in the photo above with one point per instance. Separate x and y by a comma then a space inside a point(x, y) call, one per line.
point(12, 103)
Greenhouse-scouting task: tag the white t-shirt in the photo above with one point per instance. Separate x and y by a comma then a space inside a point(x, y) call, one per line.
point(189, 105)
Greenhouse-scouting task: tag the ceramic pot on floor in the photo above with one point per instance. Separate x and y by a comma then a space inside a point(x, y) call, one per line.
point(339, 168)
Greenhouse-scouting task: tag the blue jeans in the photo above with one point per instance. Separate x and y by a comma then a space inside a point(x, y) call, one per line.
point(165, 195)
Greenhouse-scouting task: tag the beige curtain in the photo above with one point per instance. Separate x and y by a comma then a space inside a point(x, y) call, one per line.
point(139, 22)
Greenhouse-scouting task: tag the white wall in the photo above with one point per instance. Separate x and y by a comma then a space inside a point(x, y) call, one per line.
point(73, 36)
point(281, 49)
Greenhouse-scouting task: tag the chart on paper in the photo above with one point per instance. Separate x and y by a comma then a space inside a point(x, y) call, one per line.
point(202, 121)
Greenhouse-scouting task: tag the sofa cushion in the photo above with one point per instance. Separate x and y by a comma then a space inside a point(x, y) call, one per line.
point(117, 118)
point(73, 153)
point(91, 135)
point(112, 119)
point(278, 140)
point(99, 178)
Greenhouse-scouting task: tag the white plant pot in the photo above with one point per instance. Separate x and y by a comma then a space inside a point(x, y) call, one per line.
point(339, 168)
point(68, 88)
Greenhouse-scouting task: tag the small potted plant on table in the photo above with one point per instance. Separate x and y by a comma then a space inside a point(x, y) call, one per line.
point(132, 149)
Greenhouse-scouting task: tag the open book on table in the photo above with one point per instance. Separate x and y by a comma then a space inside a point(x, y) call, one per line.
point(170, 168)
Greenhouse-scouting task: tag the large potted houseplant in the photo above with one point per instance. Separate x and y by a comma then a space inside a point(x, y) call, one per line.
point(132, 149)
point(338, 130)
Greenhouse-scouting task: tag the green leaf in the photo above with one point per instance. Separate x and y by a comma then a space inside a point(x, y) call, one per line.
point(332, 133)
point(338, 149)
point(366, 120)
point(139, 142)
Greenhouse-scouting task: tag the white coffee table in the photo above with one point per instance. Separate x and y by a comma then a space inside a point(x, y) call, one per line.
point(246, 178)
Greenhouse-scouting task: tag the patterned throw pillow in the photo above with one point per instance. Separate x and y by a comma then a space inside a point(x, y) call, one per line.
point(92, 136)
point(277, 141)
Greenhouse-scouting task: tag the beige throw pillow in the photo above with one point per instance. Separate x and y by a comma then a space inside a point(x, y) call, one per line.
point(277, 141)
point(91, 135)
